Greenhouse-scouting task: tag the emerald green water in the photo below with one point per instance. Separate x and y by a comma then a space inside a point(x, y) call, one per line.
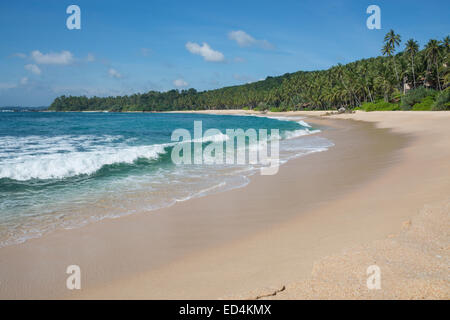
point(63, 170)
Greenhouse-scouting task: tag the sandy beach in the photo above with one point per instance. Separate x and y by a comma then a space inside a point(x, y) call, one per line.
point(380, 196)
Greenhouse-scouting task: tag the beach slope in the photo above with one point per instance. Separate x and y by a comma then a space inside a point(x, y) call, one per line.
point(378, 197)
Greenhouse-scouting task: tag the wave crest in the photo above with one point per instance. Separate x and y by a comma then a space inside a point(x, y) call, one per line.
point(63, 165)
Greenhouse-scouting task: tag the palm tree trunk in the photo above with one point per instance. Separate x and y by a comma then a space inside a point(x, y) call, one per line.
point(386, 95)
point(437, 74)
point(414, 76)
point(370, 94)
point(368, 89)
point(395, 68)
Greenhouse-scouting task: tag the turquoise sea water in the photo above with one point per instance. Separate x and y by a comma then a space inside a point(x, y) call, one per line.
point(63, 170)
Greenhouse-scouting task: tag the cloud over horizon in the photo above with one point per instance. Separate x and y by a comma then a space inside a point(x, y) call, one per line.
point(180, 83)
point(113, 73)
point(243, 39)
point(205, 51)
point(33, 68)
point(62, 58)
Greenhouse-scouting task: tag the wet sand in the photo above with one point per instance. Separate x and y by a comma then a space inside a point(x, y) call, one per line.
point(255, 240)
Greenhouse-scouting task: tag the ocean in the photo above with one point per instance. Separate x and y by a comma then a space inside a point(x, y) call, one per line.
point(64, 170)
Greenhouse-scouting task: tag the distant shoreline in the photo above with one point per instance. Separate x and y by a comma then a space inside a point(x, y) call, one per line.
point(237, 112)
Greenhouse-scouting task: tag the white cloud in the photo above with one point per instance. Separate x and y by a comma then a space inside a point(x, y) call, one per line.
point(33, 68)
point(6, 85)
point(90, 57)
point(243, 39)
point(9, 85)
point(180, 83)
point(24, 81)
point(205, 51)
point(113, 73)
point(62, 58)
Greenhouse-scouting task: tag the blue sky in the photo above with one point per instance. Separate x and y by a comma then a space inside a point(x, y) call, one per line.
point(124, 47)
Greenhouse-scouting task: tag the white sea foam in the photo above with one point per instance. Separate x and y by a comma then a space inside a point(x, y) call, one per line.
point(299, 133)
point(202, 192)
point(61, 165)
point(296, 133)
point(303, 123)
point(33, 145)
point(39, 157)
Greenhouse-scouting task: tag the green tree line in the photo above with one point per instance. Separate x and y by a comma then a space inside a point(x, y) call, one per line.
point(392, 81)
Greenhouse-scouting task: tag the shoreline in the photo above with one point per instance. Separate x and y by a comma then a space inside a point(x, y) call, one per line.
point(200, 193)
point(238, 258)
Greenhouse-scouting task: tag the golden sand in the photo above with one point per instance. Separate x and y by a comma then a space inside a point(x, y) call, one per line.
point(380, 196)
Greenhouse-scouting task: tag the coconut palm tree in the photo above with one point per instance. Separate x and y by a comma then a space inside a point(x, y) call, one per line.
point(432, 54)
point(446, 42)
point(412, 47)
point(446, 47)
point(365, 79)
point(344, 74)
point(391, 40)
point(388, 51)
